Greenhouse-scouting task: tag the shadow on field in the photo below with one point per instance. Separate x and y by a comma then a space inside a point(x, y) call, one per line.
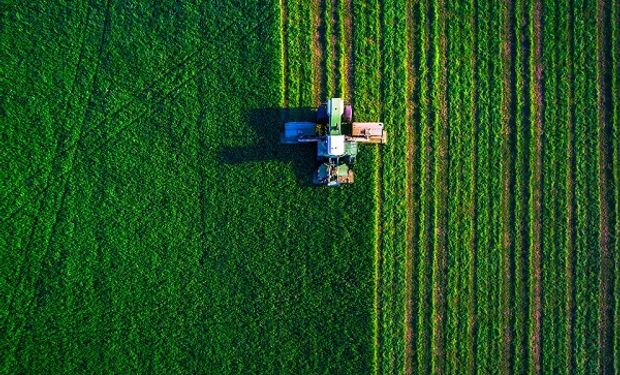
point(266, 124)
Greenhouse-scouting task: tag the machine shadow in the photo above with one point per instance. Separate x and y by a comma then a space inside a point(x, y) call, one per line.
point(266, 124)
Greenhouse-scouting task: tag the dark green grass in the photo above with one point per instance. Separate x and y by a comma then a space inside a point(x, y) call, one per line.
point(150, 220)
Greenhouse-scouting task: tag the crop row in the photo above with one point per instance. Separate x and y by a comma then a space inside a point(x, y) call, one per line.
point(614, 65)
point(520, 163)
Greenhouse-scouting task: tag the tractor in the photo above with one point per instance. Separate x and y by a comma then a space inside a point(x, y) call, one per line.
point(337, 138)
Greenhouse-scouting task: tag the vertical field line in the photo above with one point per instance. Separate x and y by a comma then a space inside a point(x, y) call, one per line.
point(536, 184)
point(494, 185)
point(508, 180)
point(441, 166)
point(348, 35)
point(317, 53)
point(412, 148)
point(615, 49)
point(605, 177)
point(425, 244)
point(570, 196)
point(455, 322)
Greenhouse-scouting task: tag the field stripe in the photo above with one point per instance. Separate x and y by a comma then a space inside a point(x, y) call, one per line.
point(554, 205)
point(523, 172)
point(536, 183)
point(328, 56)
point(441, 146)
point(366, 98)
point(564, 122)
point(339, 19)
point(347, 36)
point(494, 185)
point(468, 170)
point(480, 195)
point(425, 244)
point(317, 52)
point(585, 136)
point(571, 207)
point(456, 317)
point(615, 50)
point(605, 177)
point(412, 179)
point(393, 112)
point(508, 181)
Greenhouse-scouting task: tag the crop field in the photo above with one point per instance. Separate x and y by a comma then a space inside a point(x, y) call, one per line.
point(150, 221)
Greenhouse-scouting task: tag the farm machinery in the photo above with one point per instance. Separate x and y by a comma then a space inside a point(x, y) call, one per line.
point(337, 138)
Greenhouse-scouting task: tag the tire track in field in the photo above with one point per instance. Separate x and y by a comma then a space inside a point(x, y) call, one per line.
point(49, 235)
point(159, 96)
point(70, 94)
point(60, 139)
point(537, 194)
point(442, 160)
point(605, 177)
point(146, 91)
point(508, 181)
point(570, 199)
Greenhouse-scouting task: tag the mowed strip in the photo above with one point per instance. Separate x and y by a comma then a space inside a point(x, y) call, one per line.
point(441, 147)
point(425, 239)
point(615, 48)
point(536, 184)
point(605, 177)
point(508, 178)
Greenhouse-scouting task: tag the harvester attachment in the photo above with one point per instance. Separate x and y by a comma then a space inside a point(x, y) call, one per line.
point(368, 132)
point(299, 132)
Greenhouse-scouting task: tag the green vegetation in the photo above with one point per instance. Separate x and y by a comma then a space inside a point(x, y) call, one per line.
point(159, 226)
point(150, 221)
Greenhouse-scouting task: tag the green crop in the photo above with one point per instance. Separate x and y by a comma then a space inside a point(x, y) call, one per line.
point(150, 221)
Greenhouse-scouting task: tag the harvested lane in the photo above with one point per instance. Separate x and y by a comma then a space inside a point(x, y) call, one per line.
point(441, 146)
point(586, 188)
point(425, 240)
point(347, 37)
point(455, 339)
point(366, 98)
point(412, 179)
point(508, 180)
point(494, 184)
point(615, 48)
point(318, 76)
point(536, 181)
point(570, 197)
point(606, 199)
point(554, 205)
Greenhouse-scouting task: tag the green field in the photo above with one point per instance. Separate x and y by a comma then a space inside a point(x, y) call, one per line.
point(150, 221)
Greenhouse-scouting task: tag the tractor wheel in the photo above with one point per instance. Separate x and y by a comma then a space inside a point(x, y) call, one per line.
point(321, 114)
point(347, 116)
